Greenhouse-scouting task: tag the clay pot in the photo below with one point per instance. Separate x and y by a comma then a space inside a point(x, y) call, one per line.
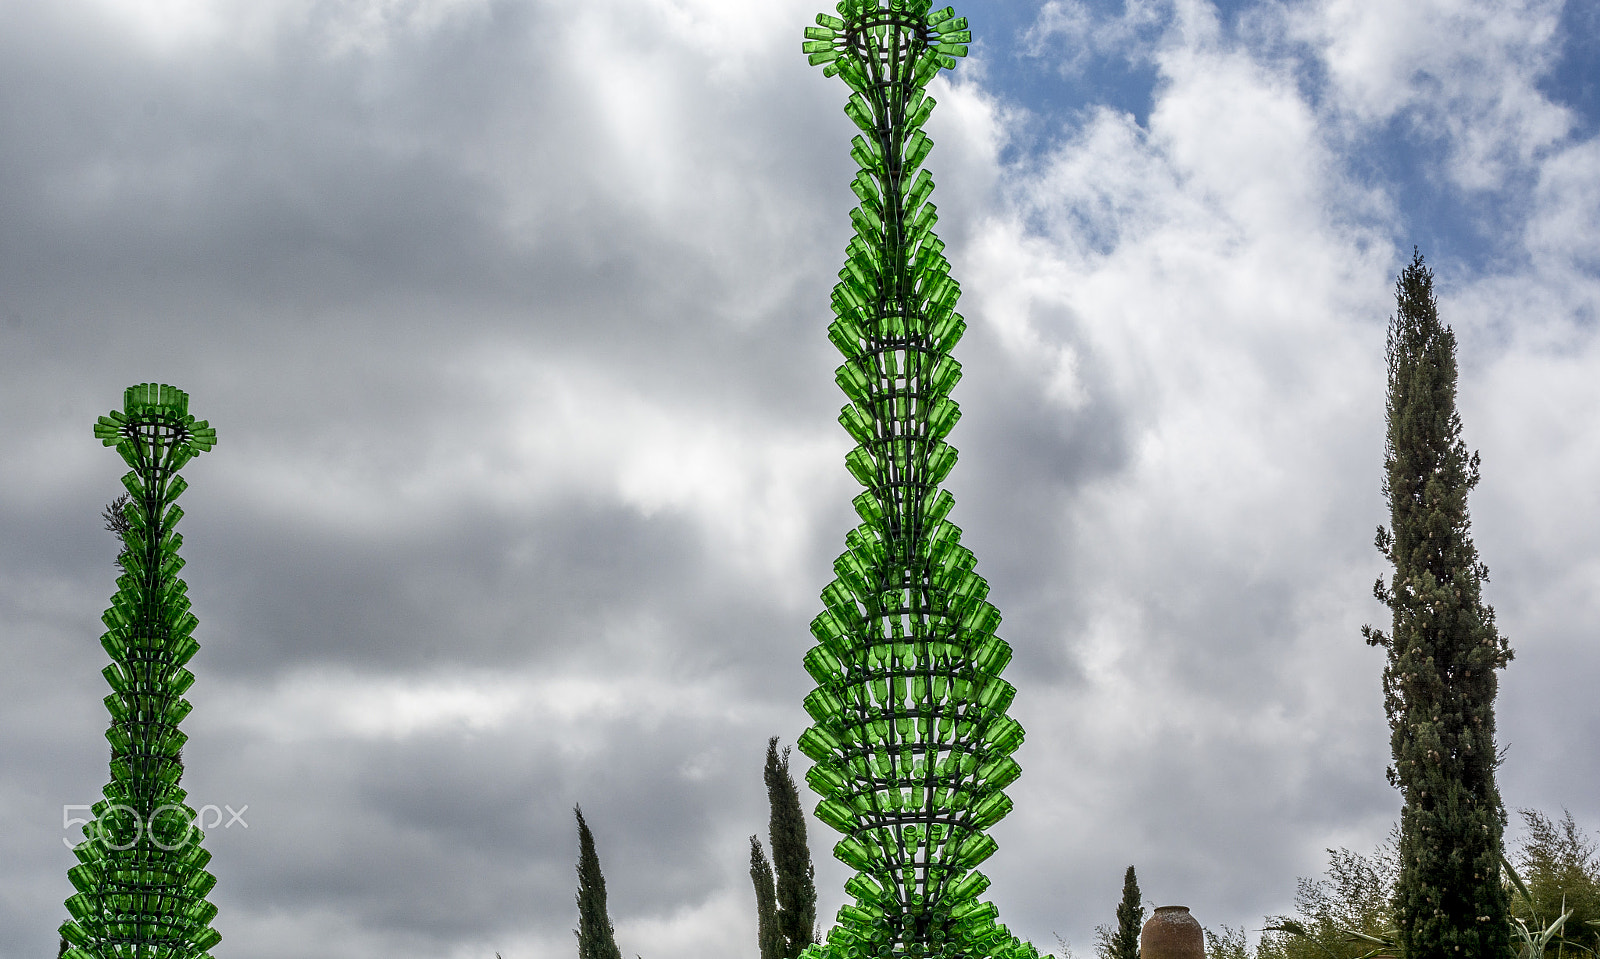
point(1172, 934)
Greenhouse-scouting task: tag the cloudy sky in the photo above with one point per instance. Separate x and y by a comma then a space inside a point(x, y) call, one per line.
point(511, 313)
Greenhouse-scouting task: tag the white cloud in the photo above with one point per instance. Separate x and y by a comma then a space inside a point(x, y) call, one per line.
point(333, 705)
point(1067, 32)
point(1564, 229)
point(1464, 71)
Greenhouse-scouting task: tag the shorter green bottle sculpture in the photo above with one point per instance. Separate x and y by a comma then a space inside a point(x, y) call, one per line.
point(141, 878)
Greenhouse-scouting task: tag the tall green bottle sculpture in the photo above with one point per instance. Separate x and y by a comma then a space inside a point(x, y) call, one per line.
point(141, 877)
point(911, 740)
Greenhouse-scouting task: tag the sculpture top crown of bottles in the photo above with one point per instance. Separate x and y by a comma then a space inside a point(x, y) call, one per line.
point(911, 741)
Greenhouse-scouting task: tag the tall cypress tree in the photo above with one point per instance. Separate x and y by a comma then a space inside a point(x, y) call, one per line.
point(768, 936)
point(1443, 650)
point(596, 939)
point(795, 890)
point(1130, 919)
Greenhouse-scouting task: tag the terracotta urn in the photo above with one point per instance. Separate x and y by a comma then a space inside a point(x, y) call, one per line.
point(1172, 934)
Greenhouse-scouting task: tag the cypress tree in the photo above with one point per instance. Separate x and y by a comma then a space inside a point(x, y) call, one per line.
point(791, 859)
point(767, 934)
point(1130, 919)
point(1443, 650)
point(596, 939)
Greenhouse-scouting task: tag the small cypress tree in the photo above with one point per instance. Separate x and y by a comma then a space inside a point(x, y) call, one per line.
point(596, 939)
point(1130, 919)
point(1443, 651)
point(794, 875)
point(768, 937)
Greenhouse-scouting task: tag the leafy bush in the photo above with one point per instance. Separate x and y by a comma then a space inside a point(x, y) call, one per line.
point(1559, 868)
point(1227, 944)
point(1554, 888)
point(1348, 914)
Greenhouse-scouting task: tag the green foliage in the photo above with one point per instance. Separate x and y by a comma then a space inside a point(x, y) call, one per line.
point(1130, 919)
point(1444, 650)
point(141, 877)
point(1345, 915)
point(1559, 871)
point(1554, 891)
point(1534, 942)
point(1122, 941)
point(1227, 944)
point(793, 874)
point(596, 939)
point(911, 740)
point(768, 936)
point(1104, 941)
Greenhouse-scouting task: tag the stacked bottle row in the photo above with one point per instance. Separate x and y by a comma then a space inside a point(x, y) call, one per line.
point(911, 742)
point(141, 880)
